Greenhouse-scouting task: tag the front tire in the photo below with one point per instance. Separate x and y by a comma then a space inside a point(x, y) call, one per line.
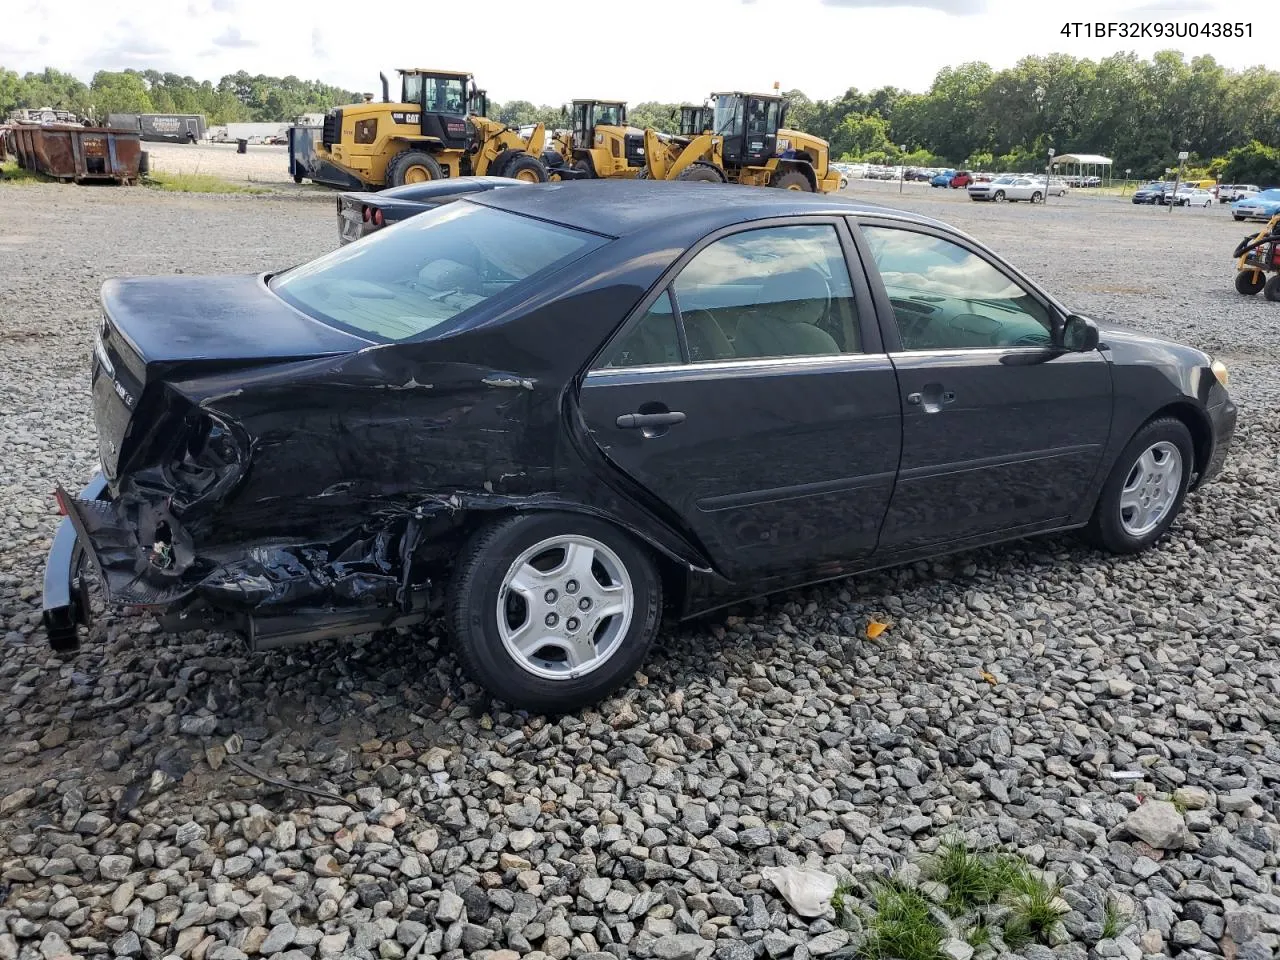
point(552, 612)
point(412, 166)
point(999, 196)
point(1272, 289)
point(1250, 282)
point(700, 172)
point(1145, 490)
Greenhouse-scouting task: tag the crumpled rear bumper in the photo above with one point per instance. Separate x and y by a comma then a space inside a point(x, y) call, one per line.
point(65, 606)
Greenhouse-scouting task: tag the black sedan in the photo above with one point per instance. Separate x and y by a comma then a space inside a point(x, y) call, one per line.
point(361, 213)
point(558, 412)
point(1152, 193)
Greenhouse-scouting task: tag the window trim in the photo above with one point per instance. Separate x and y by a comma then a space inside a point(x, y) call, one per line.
point(884, 309)
point(869, 327)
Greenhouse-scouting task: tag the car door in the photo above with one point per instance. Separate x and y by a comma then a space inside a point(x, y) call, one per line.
point(749, 399)
point(1022, 189)
point(1002, 433)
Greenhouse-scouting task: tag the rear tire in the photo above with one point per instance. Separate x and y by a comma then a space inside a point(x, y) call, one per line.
point(1036, 198)
point(412, 166)
point(1145, 490)
point(585, 168)
point(700, 172)
point(516, 642)
point(792, 180)
point(526, 168)
point(1272, 290)
point(1250, 282)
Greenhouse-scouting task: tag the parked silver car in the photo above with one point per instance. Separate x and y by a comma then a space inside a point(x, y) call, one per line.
point(1008, 188)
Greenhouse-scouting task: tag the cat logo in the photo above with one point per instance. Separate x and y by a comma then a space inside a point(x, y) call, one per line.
point(406, 117)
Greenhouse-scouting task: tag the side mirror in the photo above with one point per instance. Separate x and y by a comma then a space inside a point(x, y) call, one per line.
point(564, 111)
point(1079, 334)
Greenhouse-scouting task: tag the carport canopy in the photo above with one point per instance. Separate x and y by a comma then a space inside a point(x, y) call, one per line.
point(1085, 162)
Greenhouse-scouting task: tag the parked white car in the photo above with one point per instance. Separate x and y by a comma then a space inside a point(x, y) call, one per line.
point(1192, 197)
point(1008, 188)
point(1229, 192)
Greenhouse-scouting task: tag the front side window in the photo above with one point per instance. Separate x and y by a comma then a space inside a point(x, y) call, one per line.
point(446, 95)
point(946, 297)
point(404, 280)
point(609, 115)
point(772, 292)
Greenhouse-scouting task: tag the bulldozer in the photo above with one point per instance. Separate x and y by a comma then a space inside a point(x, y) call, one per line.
point(599, 144)
point(437, 130)
point(740, 138)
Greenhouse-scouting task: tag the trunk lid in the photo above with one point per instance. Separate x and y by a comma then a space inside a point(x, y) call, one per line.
point(167, 328)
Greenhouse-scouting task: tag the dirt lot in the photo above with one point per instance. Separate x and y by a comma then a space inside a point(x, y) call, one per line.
point(262, 163)
point(1012, 687)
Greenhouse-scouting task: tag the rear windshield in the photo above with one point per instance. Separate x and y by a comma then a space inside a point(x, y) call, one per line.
point(404, 280)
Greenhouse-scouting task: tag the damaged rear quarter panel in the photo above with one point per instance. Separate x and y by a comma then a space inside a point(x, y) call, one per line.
point(356, 461)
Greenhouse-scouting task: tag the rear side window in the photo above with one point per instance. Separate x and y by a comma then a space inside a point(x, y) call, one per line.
point(401, 282)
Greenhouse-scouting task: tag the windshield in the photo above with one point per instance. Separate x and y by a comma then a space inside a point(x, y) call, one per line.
point(1003, 180)
point(1273, 194)
point(728, 119)
point(406, 279)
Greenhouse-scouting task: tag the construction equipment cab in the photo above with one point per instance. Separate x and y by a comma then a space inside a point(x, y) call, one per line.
point(747, 142)
point(437, 130)
point(695, 120)
point(599, 143)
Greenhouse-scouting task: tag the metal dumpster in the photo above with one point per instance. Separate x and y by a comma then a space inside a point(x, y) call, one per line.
point(68, 152)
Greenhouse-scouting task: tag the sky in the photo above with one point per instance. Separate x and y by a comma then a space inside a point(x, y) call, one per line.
point(665, 50)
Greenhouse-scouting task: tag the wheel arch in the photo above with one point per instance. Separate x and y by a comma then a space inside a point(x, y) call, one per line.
point(802, 167)
point(676, 562)
point(1196, 420)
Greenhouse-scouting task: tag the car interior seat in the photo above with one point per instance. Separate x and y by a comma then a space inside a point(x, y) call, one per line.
point(785, 323)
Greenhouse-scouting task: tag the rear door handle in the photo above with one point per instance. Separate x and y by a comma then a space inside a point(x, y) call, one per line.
point(642, 421)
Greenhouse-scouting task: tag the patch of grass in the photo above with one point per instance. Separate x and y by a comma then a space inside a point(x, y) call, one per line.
point(972, 879)
point(1114, 920)
point(902, 928)
point(1037, 907)
point(10, 172)
point(195, 183)
point(978, 935)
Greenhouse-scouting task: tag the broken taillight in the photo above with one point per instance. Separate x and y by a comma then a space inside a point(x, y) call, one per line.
point(377, 218)
point(366, 213)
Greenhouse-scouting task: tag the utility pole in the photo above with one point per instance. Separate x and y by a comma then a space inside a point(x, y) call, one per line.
point(902, 165)
point(1048, 171)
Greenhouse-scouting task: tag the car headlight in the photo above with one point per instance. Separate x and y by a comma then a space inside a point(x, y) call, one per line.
point(1220, 371)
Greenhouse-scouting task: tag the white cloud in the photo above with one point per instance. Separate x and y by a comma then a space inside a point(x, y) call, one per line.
point(819, 46)
point(231, 37)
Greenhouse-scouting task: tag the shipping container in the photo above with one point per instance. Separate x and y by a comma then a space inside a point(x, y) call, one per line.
point(162, 127)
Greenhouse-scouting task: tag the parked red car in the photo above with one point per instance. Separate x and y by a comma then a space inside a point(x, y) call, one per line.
point(962, 178)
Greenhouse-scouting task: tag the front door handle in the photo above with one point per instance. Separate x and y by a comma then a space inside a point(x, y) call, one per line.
point(915, 398)
point(645, 421)
point(932, 398)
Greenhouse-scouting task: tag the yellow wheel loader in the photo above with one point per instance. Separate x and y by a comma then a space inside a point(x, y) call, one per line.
point(599, 143)
point(437, 130)
point(746, 142)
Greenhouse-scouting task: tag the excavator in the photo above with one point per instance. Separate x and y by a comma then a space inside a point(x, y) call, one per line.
point(740, 138)
point(599, 144)
point(438, 129)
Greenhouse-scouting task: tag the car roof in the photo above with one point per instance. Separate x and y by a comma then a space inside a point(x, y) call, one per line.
point(620, 208)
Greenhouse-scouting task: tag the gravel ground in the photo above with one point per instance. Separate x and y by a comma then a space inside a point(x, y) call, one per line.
point(1012, 685)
